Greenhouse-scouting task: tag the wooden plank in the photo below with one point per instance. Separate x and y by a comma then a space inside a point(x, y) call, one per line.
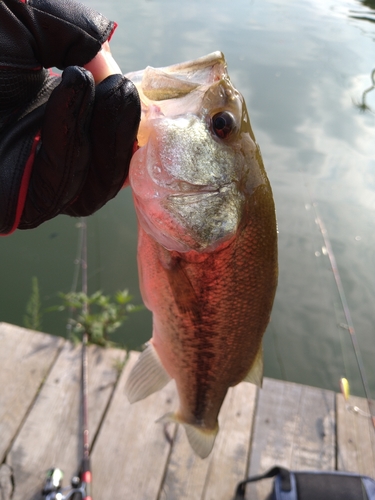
point(186, 471)
point(25, 359)
point(214, 478)
point(6, 486)
point(355, 437)
point(230, 459)
point(51, 435)
point(295, 428)
point(131, 451)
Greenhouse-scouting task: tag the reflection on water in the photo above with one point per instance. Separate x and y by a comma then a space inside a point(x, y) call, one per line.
point(304, 69)
point(363, 106)
point(364, 14)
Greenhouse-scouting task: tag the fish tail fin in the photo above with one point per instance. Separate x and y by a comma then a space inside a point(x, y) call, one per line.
point(147, 376)
point(201, 439)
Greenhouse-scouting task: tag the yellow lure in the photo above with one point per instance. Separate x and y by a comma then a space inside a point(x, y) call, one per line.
point(344, 387)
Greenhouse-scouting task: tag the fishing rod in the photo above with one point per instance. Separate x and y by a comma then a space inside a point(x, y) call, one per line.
point(80, 485)
point(86, 466)
point(348, 317)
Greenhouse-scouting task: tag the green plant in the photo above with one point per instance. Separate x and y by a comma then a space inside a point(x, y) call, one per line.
point(33, 316)
point(96, 314)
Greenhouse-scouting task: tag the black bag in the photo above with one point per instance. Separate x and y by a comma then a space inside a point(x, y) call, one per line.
point(314, 485)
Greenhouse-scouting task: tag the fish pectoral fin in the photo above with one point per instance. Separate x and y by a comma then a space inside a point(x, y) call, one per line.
point(200, 438)
point(255, 375)
point(147, 376)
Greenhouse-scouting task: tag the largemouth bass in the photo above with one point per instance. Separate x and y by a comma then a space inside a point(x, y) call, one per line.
point(207, 250)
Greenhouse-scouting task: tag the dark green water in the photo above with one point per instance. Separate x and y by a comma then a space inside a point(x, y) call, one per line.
point(302, 68)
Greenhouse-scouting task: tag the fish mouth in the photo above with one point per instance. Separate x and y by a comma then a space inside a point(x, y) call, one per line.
point(199, 192)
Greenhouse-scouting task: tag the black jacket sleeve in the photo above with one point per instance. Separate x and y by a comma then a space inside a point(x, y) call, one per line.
point(65, 145)
point(49, 33)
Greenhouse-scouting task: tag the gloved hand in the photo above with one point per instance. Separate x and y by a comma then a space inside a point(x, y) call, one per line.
point(65, 144)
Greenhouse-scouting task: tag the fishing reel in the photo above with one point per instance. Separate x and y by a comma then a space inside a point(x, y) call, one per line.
point(53, 489)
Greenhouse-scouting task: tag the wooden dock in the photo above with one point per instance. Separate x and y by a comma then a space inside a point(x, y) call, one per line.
point(133, 457)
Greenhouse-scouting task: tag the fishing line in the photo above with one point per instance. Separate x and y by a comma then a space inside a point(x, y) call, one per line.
point(278, 354)
point(344, 303)
point(77, 267)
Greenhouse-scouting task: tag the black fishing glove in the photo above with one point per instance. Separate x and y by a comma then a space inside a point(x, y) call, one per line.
point(65, 145)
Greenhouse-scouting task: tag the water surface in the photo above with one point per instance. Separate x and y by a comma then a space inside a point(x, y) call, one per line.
point(302, 68)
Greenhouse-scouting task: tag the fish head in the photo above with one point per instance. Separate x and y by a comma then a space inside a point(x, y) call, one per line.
point(198, 162)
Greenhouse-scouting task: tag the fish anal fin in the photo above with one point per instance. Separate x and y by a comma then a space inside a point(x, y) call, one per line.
point(147, 376)
point(200, 438)
point(255, 374)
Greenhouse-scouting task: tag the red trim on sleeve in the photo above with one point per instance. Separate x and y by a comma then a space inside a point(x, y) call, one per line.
point(53, 73)
point(134, 150)
point(113, 30)
point(135, 146)
point(24, 184)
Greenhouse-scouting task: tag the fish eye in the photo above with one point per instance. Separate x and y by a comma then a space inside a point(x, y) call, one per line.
point(223, 124)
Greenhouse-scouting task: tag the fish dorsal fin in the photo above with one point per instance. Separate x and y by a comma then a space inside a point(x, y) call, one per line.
point(255, 375)
point(147, 376)
point(200, 439)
